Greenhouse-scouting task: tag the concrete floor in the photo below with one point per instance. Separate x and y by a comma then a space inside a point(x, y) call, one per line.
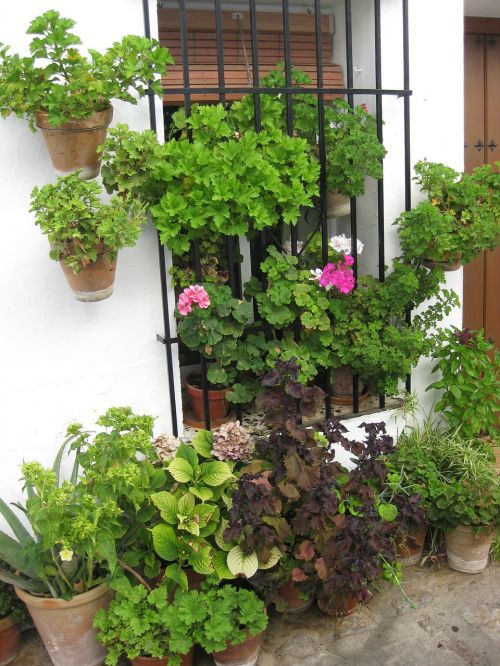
point(456, 623)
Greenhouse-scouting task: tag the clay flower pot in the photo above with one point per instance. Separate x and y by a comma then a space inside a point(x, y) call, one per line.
point(94, 282)
point(341, 387)
point(340, 605)
point(337, 205)
point(73, 146)
point(10, 639)
point(291, 595)
point(244, 654)
point(447, 266)
point(410, 550)
point(187, 660)
point(466, 551)
point(218, 405)
point(65, 627)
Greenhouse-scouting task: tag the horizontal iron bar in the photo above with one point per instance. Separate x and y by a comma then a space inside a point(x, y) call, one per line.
point(166, 340)
point(278, 91)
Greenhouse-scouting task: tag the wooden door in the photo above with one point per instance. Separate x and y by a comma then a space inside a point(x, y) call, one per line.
point(482, 145)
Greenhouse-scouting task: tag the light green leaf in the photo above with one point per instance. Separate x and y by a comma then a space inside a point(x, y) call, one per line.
point(219, 561)
point(106, 549)
point(274, 556)
point(240, 564)
point(181, 470)
point(215, 473)
point(202, 442)
point(201, 561)
point(204, 494)
point(387, 512)
point(186, 505)
point(190, 526)
point(165, 542)
point(187, 453)
point(176, 573)
point(167, 504)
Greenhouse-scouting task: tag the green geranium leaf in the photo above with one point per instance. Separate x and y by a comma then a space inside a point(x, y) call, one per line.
point(388, 512)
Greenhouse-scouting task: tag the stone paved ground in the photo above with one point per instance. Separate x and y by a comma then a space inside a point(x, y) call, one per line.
point(456, 623)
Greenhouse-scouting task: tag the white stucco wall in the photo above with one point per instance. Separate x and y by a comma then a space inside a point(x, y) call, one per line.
point(62, 360)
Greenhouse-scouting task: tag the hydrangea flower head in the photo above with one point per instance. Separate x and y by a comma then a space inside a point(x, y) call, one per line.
point(193, 294)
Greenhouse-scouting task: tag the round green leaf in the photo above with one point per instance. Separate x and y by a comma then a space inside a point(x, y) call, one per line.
point(273, 558)
point(181, 470)
point(240, 564)
point(387, 512)
point(215, 473)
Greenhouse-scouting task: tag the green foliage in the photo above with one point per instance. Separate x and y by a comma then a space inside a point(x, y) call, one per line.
point(190, 510)
point(11, 605)
point(139, 623)
point(460, 217)
point(218, 180)
point(57, 78)
point(469, 366)
point(213, 263)
point(226, 616)
point(70, 213)
point(353, 150)
point(453, 476)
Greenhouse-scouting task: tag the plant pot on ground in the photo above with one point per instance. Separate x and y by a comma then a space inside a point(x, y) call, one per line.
point(468, 549)
point(12, 616)
point(218, 406)
point(342, 386)
point(84, 234)
point(68, 95)
point(459, 219)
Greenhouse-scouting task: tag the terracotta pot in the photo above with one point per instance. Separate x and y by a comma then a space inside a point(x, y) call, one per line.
point(446, 266)
point(73, 146)
point(337, 205)
point(466, 551)
point(10, 640)
point(65, 627)
point(290, 594)
point(410, 550)
point(187, 660)
point(340, 605)
point(94, 282)
point(218, 405)
point(341, 387)
point(244, 654)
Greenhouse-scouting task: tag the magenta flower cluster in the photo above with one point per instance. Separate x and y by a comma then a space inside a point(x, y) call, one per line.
point(193, 294)
point(338, 275)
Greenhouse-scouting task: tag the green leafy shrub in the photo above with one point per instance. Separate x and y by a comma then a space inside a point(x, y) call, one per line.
point(71, 214)
point(147, 624)
point(11, 605)
point(470, 380)
point(58, 79)
point(459, 219)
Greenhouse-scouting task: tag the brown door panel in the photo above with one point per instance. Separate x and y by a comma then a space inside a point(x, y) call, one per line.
point(474, 101)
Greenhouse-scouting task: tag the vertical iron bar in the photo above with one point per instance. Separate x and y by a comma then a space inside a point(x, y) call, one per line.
point(255, 63)
point(161, 256)
point(220, 49)
point(380, 137)
point(407, 154)
point(288, 66)
point(354, 225)
point(203, 360)
point(185, 55)
point(322, 163)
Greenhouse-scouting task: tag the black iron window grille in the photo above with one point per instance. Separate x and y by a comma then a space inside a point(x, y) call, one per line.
point(317, 218)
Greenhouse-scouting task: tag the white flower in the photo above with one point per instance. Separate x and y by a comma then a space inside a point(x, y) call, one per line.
point(316, 274)
point(66, 555)
point(342, 244)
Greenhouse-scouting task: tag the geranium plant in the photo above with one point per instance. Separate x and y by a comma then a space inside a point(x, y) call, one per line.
point(76, 223)
point(57, 78)
point(469, 365)
point(458, 220)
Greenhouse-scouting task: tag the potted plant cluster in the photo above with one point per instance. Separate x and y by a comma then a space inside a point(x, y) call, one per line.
point(459, 490)
point(85, 234)
point(68, 95)
point(12, 617)
point(459, 219)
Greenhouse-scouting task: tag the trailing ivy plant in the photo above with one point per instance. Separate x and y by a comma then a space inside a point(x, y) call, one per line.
point(57, 78)
point(469, 365)
point(458, 220)
point(221, 180)
point(76, 223)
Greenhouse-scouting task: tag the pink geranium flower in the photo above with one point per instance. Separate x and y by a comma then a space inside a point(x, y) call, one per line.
point(339, 275)
point(191, 295)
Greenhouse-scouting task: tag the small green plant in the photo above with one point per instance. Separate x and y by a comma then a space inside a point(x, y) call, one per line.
point(147, 624)
point(11, 606)
point(58, 79)
point(458, 220)
point(71, 214)
point(218, 179)
point(226, 616)
point(469, 365)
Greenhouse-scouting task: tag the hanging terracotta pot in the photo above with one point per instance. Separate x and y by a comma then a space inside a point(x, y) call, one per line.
point(291, 596)
point(218, 405)
point(449, 265)
point(94, 282)
point(341, 387)
point(337, 205)
point(65, 627)
point(73, 146)
point(411, 549)
point(187, 660)
point(244, 654)
point(467, 551)
point(10, 640)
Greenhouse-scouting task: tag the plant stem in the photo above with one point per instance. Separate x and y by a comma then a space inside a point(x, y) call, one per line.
point(134, 573)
